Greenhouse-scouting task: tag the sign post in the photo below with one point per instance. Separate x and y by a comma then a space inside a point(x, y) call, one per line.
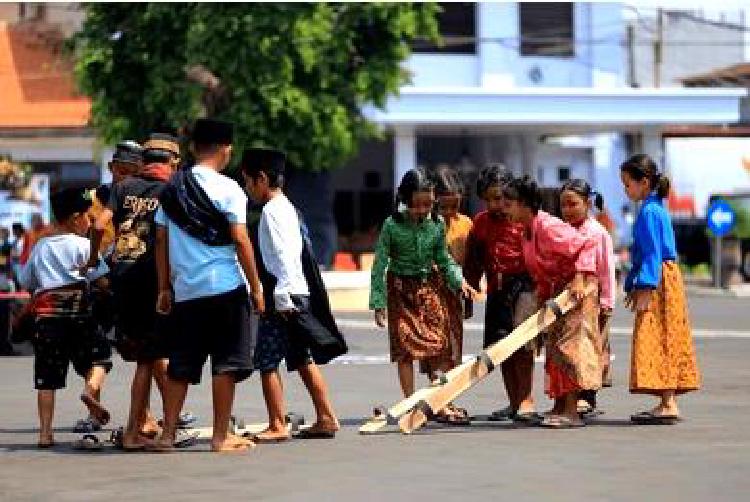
point(720, 219)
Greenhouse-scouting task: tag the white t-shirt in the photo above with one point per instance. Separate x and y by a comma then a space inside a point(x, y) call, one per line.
point(57, 261)
point(280, 244)
point(198, 270)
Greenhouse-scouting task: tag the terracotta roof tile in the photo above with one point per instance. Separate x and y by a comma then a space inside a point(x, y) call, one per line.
point(37, 83)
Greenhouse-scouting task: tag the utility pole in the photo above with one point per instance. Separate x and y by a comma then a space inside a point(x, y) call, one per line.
point(632, 77)
point(658, 47)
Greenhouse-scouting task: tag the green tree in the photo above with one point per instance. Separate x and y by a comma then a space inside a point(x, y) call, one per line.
point(294, 76)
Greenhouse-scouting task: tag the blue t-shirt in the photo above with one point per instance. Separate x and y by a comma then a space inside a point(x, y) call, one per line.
point(198, 270)
point(653, 244)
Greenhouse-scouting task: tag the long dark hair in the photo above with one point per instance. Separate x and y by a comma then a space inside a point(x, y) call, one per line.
point(493, 174)
point(582, 188)
point(642, 166)
point(526, 191)
point(415, 180)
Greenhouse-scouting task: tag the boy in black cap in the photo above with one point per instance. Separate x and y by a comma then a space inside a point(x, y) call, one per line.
point(289, 330)
point(202, 250)
point(65, 331)
point(139, 331)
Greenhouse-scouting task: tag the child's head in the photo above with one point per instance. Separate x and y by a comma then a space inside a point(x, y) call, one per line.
point(127, 160)
point(70, 208)
point(523, 199)
point(263, 171)
point(417, 193)
point(448, 188)
point(575, 200)
point(18, 230)
point(162, 148)
point(212, 141)
point(492, 181)
point(640, 176)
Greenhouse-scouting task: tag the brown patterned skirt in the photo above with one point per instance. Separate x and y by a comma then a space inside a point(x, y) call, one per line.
point(574, 350)
point(421, 322)
point(663, 356)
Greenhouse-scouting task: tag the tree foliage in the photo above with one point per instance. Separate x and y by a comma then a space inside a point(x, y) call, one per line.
point(294, 76)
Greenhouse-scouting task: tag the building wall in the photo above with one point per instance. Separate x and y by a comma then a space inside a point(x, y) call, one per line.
point(691, 47)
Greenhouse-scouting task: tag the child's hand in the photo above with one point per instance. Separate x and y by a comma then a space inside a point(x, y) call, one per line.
point(628, 301)
point(578, 288)
point(259, 303)
point(642, 300)
point(164, 302)
point(380, 317)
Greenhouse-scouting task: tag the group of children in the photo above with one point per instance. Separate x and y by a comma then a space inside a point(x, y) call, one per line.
point(176, 267)
point(429, 257)
point(171, 261)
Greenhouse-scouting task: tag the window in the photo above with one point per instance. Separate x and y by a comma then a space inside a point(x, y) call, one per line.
point(457, 26)
point(563, 174)
point(546, 29)
point(32, 11)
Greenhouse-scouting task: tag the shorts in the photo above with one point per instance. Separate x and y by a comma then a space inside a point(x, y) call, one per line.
point(60, 341)
point(144, 344)
point(501, 316)
point(220, 326)
point(277, 342)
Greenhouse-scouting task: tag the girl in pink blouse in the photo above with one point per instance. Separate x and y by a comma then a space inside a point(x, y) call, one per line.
point(559, 256)
point(575, 203)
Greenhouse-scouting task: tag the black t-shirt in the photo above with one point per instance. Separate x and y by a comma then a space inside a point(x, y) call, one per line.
point(134, 202)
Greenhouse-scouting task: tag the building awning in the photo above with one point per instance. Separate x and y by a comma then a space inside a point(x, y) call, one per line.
point(585, 109)
point(37, 84)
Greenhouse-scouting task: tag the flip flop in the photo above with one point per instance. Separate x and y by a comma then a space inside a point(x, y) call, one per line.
point(528, 417)
point(258, 439)
point(650, 418)
point(185, 438)
point(558, 422)
point(88, 442)
point(87, 426)
point(315, 434)
point(501, 415)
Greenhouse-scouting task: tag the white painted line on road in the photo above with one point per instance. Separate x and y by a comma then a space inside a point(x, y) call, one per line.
point(615, 330)
point(364, 360)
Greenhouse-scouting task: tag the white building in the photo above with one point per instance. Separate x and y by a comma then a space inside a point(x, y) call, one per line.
point(542, 87)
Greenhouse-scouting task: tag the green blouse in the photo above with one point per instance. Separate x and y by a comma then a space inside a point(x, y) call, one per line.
point(411, 249)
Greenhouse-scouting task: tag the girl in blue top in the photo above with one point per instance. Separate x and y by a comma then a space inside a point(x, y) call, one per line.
point(663, 360)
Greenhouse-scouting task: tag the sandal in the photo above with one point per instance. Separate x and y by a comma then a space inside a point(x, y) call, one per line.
point(528, 417)
point(559, 422)
point(651, 418)
point(501, 415)
point(87, 426)
point(88, 442)
point(185, 438)
point(312, 433)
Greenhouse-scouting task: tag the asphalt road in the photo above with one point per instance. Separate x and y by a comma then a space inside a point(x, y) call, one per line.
point(706, 457)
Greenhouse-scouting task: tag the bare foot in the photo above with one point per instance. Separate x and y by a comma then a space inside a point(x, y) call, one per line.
point(136, 442)
point(95, 408)
point(162, 445)
point(232, 444)
point(151, 428)
point(663, 411)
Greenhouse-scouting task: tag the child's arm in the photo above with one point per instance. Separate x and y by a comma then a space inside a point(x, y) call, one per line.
point(474, 259)
point(378, 293)
point(246, 257)
point(97, 234)
point(448, 266)
point(164, 299)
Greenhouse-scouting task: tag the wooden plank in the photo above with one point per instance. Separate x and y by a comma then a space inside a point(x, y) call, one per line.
point(468, 374)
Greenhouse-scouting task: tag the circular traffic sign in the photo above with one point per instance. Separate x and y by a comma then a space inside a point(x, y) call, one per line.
point(720, 218)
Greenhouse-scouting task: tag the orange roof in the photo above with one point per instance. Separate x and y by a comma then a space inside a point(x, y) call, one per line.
point(36, 83)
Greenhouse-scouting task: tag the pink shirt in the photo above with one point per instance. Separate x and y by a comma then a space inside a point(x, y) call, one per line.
point(605, 261)
point(555, 251)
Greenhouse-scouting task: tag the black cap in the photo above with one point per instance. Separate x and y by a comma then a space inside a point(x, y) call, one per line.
point(212, 132)
point(265, 159)
point(128, 152)
point(70, 201)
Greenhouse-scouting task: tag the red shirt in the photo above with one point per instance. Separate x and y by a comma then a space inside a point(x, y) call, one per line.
point(494, 248)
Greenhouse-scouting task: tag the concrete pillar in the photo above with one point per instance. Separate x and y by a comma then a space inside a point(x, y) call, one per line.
point(496, 22)
point(653, 145)
point(105, 173)
point(404, 153)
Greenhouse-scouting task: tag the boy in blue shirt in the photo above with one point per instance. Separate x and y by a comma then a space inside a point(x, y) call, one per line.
point(202, 250)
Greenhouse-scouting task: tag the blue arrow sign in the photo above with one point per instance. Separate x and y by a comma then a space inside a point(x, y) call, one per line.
point(721, 218)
